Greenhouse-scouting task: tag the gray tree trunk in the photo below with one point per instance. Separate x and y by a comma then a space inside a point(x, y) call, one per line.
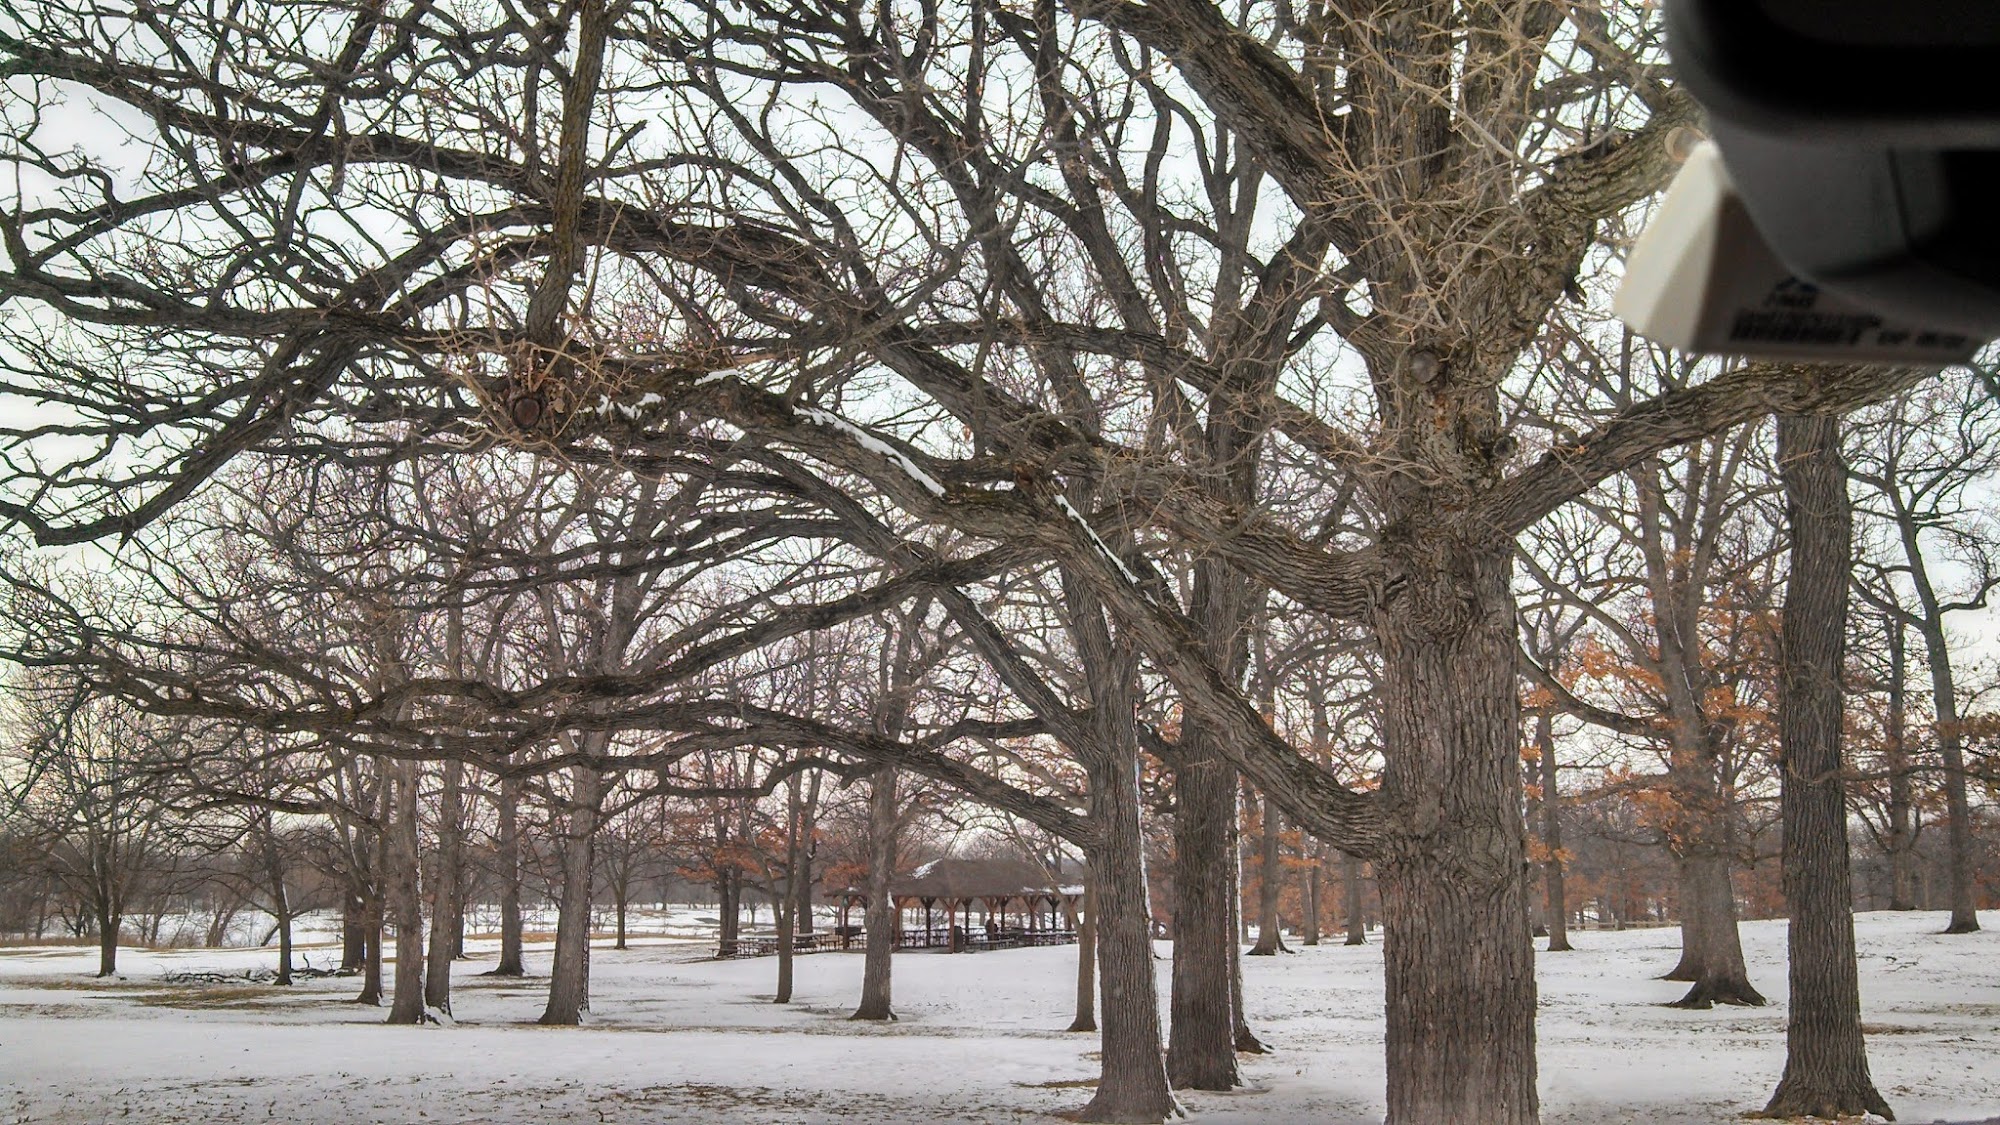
point(1711, 948)
point(880, 923)
point(404, 878)
point(1086, 962)
point(1133, 1085)
point(1201, 1042)
point(1270, 883)
point(509, 847)
point(444, 937)
point(787, 904)
point(1557, 904)
point(1309, 890)
point(1461, 1012)
point(1826, 1059)
point(1900, 838)
point(1350, 878)
point(281, 905)
point(569, 975)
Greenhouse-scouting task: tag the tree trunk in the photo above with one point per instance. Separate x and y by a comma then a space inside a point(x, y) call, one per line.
point(1086, 962)
point(1240, 1036)
point(1958, 808)
point(1711, 949)
point(444, 889)
point(108, 923)
point(1944, 703)
point(1826, 1059)
point(405, 893)
point(371, 957)
point(787, 903)
point(1270, 882)
point(569, 976)
point(353, 932)
point(1350, 877)
point(728, 893)
point(881, 917)
point(1201, 1038)
point(1132, 1086)
point(1309, 880)
point(281, 905)
point(1457, 953)
point(1900, 839)
point(510, 881)
point(1557, 906)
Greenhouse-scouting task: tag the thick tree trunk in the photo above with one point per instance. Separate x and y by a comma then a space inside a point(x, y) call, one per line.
point(1556, 909)
point(1086, 963)
point(405, 892)
point(728, 894)
point(569, 974)
point(881, 917)
point(353, 932)
point(1711, 948)
point(1132, 1086)
point(444, 889)
point(1270, 882)
point(1350, 878)
point(1458, 957)
point(509, 846)
point(1201, 1044)
point(1826, 1060)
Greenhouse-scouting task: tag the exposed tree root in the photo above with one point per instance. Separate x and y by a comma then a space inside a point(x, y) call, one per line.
point(1706, 994)
point(1795, 1100)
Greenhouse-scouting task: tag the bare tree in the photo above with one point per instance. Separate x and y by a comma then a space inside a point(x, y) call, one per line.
point(1917, 459)
point(1435, 174)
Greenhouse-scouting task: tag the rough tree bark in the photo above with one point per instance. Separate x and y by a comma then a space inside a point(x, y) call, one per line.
point(569, 975)
point(1133, 1085)
point(1826, 1059)
point(353, 932)
point(1353, 900)
point(880, 922)
point(1711, 948)
point(1201, 1042)
point(508, 847)
point(404, 878)
point(1086, 960)
point(1270, 882)
point(787, 898)
point(443, 888)
point(1453, 878)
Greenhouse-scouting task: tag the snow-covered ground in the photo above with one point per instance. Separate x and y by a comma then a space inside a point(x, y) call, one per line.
point(674, 1037)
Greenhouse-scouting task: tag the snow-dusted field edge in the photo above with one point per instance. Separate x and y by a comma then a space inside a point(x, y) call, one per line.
point(674, 1038)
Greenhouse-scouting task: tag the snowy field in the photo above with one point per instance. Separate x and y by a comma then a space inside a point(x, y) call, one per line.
point(675, 1038)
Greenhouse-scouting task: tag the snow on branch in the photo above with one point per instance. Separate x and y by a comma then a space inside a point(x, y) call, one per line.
point(874, 445)
point(1097, 541)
